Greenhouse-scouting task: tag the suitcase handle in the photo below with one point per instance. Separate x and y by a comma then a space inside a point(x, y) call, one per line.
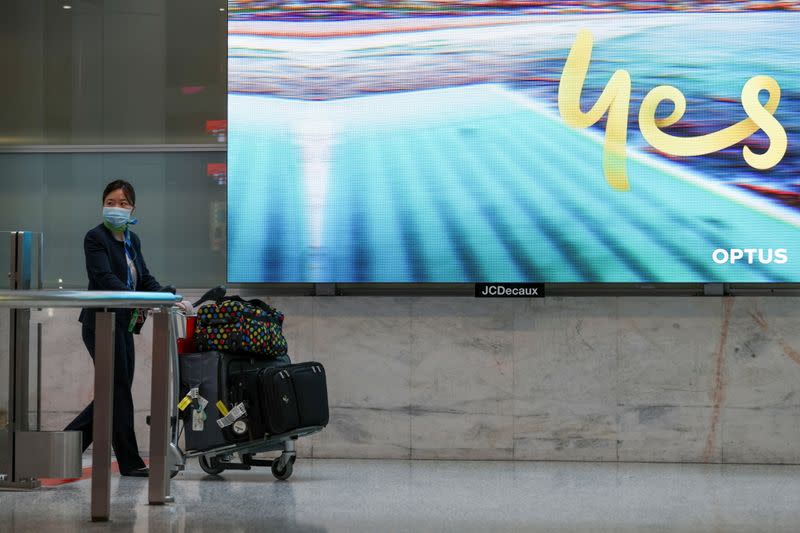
point(216, 294)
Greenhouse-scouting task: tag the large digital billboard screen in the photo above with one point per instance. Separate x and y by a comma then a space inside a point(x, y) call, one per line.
point(513, 141)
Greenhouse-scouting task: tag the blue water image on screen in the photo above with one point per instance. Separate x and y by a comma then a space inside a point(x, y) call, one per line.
point(431, 149)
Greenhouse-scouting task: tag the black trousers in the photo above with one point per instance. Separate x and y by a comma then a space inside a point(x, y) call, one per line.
point(123, 438)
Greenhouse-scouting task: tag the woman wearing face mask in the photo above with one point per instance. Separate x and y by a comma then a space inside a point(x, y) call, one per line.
point(114, 262)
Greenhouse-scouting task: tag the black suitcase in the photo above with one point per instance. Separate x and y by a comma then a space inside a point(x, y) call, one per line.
point(269, 398)
point(280, 400)
point(201, 371)
point(311, 390)
point(208, 372)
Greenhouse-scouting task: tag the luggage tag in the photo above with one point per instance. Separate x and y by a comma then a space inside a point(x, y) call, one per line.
point(233, 415)
point(199, 414)
point(198, 420)
point(184, 403)
point(194, 394)
point(191, 395)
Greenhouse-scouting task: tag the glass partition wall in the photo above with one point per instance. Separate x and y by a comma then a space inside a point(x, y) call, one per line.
point(97, 91)
point(83, 72)
point(180, 208)
point(5, 279)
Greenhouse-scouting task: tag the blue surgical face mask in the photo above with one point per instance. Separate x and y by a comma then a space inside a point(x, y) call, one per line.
point(117, 218)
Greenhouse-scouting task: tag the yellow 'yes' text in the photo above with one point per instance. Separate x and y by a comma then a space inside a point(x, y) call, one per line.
point(615, 101)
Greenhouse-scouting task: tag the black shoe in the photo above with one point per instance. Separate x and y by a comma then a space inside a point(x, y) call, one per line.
point(139, 472)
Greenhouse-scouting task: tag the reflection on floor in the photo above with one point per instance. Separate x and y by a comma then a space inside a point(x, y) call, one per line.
point(339, 495)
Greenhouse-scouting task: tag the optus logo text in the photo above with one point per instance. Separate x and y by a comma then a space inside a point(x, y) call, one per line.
point(763, 256)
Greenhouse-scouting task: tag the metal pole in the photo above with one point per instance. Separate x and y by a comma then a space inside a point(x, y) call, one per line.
point(103, 407)
point(7, 395)
point(21, 378)
point(39, 376)
point(159, 410)
point(24, 255)
point(18, 368)
point(40, 263)
point(7, 476)
point(22, 369)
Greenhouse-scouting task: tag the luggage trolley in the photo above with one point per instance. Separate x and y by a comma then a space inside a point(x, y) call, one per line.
point(217, 459)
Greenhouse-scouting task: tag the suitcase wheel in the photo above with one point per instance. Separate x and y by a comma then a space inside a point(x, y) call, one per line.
point(282, 467)
point(211, 466)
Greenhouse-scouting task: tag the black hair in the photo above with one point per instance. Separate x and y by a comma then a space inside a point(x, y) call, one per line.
point(127, 190)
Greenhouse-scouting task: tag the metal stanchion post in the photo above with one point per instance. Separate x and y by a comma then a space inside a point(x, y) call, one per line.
point(159, 410)
point(60, 451)
point(103, 408)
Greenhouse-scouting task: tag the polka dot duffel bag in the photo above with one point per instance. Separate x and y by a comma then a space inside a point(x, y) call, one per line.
point(236, 325)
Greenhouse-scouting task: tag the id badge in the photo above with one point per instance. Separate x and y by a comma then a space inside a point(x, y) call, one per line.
point(137, 321)
point(134, 319)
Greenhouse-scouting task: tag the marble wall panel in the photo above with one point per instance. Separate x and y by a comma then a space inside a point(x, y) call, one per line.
point(667, 350)
point(761, 435)
point(565, 349)
point(437, 435)
point(365, 346)
point(594, 379)
point(362, 433)
point(565, 432)
point(462, 356)
point(668, 434)
point(565, 376)
point(762, 354)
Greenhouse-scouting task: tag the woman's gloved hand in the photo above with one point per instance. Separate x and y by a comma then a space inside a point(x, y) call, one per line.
point(186, 307)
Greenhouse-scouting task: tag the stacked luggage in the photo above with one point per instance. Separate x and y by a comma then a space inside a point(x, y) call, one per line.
point(240, 386)
point(280, 398)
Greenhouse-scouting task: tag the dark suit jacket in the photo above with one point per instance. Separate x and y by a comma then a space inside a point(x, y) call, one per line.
point(108, 270)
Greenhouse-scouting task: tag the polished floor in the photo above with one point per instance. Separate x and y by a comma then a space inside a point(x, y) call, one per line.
point(339, 495)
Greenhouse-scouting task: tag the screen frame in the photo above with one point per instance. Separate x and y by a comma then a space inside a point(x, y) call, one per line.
point(587, 289)
point(572, 289)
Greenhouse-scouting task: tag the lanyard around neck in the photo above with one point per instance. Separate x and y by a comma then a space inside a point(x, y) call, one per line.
point(129, 255)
